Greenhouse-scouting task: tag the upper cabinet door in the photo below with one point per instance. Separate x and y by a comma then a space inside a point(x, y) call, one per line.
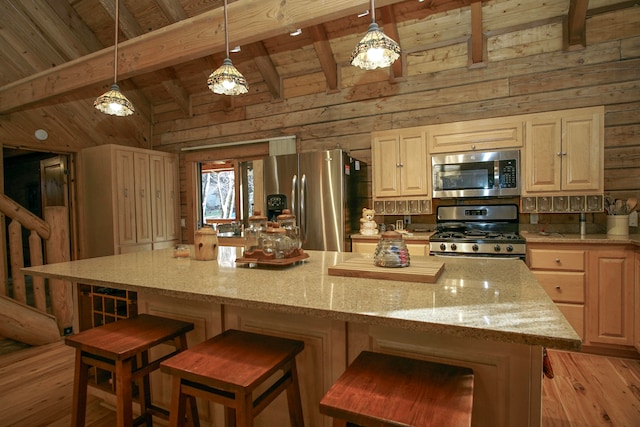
point(582, 155)
point(476, 135)
point(172, 197)
point(543, 154)
point(158, 198)
point(126, 197)
point(386, 161)
point(414, 169)
point(143, 199)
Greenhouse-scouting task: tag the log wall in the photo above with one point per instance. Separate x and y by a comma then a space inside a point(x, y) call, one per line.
point(527, 70)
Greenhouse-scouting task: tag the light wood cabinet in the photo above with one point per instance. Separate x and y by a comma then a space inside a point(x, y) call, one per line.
point(611, 289)
point(561, 272)
point(563, 152)
point(400, 164)
point(485, 134)
point(129, 199)
point(593, 286)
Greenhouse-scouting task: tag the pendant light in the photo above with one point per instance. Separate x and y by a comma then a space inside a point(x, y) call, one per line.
point(376, 49)
point(227, 80)
point(113, 102)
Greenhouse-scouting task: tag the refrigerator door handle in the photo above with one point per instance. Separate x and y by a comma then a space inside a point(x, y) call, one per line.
point(303, 203)
point(294, 185)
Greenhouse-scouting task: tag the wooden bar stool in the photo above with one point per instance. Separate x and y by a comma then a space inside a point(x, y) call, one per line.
point(383, 390)
point(123, 348)
point(228, 368)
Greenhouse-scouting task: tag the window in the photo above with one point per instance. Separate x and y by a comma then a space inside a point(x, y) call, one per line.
point(227, 191)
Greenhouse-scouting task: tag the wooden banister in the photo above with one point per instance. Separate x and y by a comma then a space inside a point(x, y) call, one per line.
point(54, 230)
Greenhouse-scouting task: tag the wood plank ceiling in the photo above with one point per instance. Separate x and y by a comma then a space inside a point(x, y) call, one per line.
point(57, 55)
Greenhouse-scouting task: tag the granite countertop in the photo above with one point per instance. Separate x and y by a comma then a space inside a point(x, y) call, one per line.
point(488, 299)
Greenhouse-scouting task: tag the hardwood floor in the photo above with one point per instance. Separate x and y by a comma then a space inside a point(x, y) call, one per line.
point(588, 390)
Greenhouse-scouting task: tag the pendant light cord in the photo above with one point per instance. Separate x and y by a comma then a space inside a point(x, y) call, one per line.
point(373, 12)
point(115, 55)
point(226, 30)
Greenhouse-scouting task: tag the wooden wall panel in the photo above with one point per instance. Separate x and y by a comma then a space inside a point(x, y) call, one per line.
point(527, 72)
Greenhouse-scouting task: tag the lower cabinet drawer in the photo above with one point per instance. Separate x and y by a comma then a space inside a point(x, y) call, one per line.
point(575, 316)
point(547, 259)
point(562, 286)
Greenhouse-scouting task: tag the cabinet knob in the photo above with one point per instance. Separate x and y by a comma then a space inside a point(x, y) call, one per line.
point(558, 287)
point(557, 260)
point(473, 146)
point(399, 165)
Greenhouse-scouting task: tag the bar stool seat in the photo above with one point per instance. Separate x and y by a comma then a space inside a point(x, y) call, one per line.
point(122, 348)
point(228, 368)
point(383, 390)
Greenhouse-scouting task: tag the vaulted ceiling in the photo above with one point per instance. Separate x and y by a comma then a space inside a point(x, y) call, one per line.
point(56, 56)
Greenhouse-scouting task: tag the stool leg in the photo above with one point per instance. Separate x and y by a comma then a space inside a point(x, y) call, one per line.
point(293, 398)
point(144, 388)
point(192, 417)
point(124, 408)
point(176, 413)
point(80, 380)
point(229, 417)
point(244, 410)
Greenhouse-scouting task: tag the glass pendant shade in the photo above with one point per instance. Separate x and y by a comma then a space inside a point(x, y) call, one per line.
point(227, 80)
point(375, 50)
point(114, 103)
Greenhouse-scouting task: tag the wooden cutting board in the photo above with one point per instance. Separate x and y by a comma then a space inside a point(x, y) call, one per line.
point(425, 271)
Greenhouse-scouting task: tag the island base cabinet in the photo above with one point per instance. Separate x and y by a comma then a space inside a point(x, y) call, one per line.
point(507, 377)
point(207, 320)
point(610, 314)
point(319, 365)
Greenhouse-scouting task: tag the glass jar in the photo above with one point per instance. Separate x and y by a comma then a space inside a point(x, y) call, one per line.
point(275, 242)
point(253, 233)
point(391, 251)
point(287, 222)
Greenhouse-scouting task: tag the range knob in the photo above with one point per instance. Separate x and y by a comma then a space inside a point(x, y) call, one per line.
point(443, 246)
point(453, 247)
point(475, 247)
point(509, 248)
point(496, 248)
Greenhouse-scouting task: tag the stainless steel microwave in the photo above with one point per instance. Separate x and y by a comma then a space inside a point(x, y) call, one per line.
point(476, 174)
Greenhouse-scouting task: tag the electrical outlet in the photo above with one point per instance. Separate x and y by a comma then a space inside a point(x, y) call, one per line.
point(633, 219)
point(533, 218)
point(183, 222)
point(407, 220)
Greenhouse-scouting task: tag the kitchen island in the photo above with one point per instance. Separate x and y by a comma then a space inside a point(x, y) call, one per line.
point(487, 314)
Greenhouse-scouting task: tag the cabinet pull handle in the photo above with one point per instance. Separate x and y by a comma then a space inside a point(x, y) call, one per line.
point(158, 194)
point(126, 192)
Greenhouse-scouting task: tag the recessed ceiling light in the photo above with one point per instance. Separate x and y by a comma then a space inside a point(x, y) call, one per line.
point(41, 134)
point(296, 32)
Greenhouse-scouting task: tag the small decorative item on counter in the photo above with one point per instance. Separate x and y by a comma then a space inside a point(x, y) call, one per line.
point(287, 222)
point(275, 244)
point(206, 244)
point(368, 226)
point(254, 232)
point(391, 251)
point(181, 251)
point(618, 215)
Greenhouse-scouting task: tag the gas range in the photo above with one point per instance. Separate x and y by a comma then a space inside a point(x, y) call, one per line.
point(473, 230)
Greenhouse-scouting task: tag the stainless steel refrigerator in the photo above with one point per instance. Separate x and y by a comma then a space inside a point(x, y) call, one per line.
point(325, 190)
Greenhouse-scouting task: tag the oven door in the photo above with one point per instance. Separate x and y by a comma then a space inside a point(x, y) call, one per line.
point(477, 256)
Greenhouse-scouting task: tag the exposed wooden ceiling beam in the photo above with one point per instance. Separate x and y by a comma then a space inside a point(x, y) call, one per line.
point(249, 21)
point(267, 69)
point(325, 55)
point(391, 29)
point(477, 43)
point(172, 10)
point(575, 25)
